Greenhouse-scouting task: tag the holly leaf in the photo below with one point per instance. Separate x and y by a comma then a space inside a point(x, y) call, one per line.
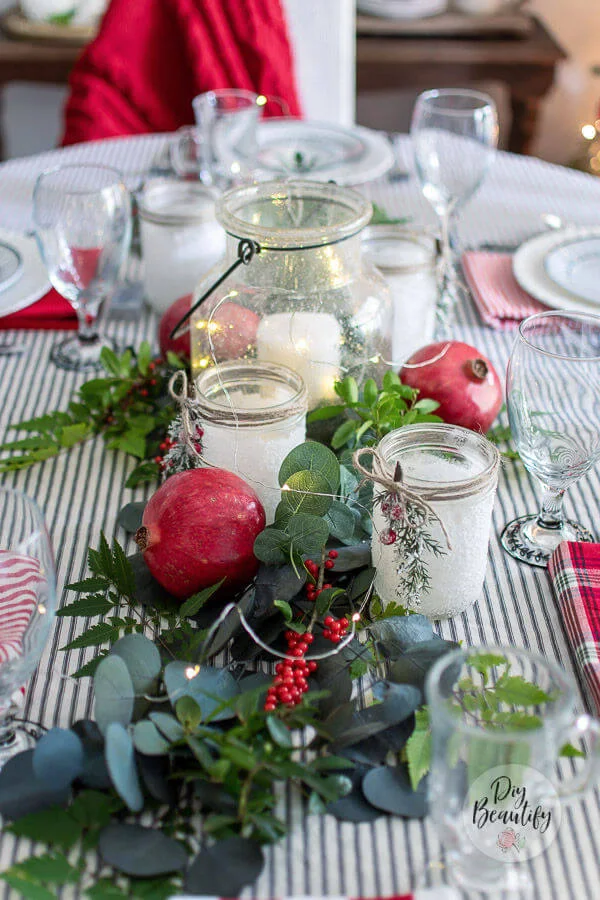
point(285, 609)
point(514, 689)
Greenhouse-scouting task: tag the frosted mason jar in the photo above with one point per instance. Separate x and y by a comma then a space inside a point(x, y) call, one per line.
point(181, 239)
point(253, 414)
point(407, 261)
point(440, 570)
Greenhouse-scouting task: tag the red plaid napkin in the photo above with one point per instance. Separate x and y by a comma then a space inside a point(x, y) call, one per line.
point(51, 313)
point(575, 572)
point(502, 304)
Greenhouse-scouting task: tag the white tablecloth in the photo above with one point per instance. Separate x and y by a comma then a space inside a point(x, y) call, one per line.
point(82, 491)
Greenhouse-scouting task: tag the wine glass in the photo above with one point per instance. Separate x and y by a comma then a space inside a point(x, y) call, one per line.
point(27, 606)
point(554, 413)
point(454, 134)
point(82, 215)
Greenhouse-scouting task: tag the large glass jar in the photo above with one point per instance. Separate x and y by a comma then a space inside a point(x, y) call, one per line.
point(306, 299)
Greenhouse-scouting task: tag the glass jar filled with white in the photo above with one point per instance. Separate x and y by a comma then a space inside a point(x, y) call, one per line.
point(181, 238)
point(253, 415)
point(430, 540)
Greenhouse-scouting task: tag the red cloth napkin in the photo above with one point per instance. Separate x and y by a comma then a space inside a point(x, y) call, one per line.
point(152, 57)
point(51, 313)
point(501, 302)
point(575, 572)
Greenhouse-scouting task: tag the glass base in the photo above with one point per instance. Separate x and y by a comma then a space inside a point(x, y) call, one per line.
point(452, 882)
point(529, 542)
point(17, 736)
point(79, 356)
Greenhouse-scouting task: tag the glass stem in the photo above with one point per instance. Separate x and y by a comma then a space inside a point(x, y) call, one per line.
point(551, 514)
point(87, 331)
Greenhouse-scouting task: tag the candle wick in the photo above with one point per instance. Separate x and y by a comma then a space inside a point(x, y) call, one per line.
point(398, 472)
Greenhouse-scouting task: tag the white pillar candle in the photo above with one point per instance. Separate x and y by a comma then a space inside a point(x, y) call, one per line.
point(253, 415)
point(307, 342)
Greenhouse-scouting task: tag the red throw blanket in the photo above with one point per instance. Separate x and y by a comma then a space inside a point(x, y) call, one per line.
point(152, 57)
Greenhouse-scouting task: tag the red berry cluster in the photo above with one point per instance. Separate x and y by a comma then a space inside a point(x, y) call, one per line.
point(335, 629)
point(291, 674)
point(312, 591)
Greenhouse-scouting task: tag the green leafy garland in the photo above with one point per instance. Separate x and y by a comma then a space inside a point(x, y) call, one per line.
point(173, 783)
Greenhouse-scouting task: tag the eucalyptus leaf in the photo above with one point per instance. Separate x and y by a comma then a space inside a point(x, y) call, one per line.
point(354, 807)
point(147, 589)
point(341, 521)
point(313, 457)
point(279, 732)
point(147, 739)
point(20, 791)
point(130, 516)
point(307, 493)
point(155, 774)
point(375, 750)
point(95, 772)
point(140, 852)
point(58, 758)
point(400, 633)
point(309, 533)
point(142, 658)
point(355, 556)
point(167, 725)
point(271, 546)
point(414, 664)
point(120, 760)
point(388, 788)
point(399, 702)
point(114, 692)
point(276, 583)
point(225, 868)
point(210, 687)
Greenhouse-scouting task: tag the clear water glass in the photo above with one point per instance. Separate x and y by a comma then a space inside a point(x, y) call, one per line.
point(554, 412)
point(454, 134)
point(499, 717)
point(227, 122)
point(82, 216)
point(27, 606)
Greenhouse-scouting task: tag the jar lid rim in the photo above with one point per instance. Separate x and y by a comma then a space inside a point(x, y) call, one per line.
point(153, 202)
point(227, 374)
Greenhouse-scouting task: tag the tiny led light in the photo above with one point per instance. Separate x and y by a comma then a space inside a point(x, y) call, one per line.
point(301, 346)
point(261, 100)
point(235, 168)
point(285, 487)
point(588, 132)
point(41, 609)
point(356, 617)
point(191, 672)
point(204, 362)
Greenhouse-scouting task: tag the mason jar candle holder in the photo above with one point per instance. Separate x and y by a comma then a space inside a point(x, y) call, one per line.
point(431, 536)
point(253, 414)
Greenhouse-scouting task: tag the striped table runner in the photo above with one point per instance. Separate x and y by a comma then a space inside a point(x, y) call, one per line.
point(82, 491)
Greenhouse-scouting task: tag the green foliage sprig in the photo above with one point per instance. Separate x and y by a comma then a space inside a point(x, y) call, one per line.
point(129, 407)
point(371, 413)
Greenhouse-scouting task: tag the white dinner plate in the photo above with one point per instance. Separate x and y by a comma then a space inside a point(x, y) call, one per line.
point(11, 265)
point(575, 266)
point(321, 152)
point(33, 282)
point(530, 271)
point(402, 9)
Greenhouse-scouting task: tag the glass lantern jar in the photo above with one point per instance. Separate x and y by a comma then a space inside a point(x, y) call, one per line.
point(306, 299)
point(432, 559)
point(253, 414)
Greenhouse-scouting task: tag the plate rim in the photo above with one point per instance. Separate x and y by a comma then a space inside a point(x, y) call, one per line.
point(26, 244)
point(377, 160)
point(289, 121)
point(550, 294)
point(560, 247)
point(8, 282)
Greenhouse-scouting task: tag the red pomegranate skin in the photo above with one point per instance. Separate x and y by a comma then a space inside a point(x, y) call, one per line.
point(234, 335)
point(200, 526)
point(169, 319)
point(469, 392)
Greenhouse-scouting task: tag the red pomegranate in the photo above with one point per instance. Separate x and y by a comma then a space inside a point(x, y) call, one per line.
point(233, 330)
point(200, 526)
point(461, 379)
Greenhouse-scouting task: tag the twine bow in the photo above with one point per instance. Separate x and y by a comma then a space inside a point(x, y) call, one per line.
point(186, 404)
point(392, 483)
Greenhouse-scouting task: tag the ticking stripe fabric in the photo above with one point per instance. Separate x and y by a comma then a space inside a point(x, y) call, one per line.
point(575, 572)
point(19, 580)
point(501, 302)
point(82, 491)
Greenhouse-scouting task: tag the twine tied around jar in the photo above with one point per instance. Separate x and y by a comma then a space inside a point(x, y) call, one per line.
point(392, 482)
point(186, 427)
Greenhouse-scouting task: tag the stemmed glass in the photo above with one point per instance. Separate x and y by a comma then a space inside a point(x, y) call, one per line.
point(82, 215)
point(27, 606)
point(554, 411)
point(455, 134)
